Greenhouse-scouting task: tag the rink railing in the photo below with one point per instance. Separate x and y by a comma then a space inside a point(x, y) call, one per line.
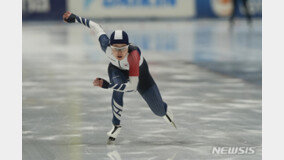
point(136, 9)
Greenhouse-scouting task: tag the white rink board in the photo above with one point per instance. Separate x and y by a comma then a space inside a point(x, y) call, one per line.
point(133, 8)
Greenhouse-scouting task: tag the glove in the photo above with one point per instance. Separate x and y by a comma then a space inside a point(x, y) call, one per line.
point(71, 18)
point(105, 83)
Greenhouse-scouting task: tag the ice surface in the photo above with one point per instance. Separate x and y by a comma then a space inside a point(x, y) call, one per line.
point(209, 75)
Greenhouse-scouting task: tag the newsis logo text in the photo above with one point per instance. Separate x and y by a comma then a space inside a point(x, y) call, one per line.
point(233, 150)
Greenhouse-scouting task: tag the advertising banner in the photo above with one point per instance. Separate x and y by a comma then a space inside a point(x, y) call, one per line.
point(133, 8)
point(43, 9)
point(53, 9)
point(224, 8)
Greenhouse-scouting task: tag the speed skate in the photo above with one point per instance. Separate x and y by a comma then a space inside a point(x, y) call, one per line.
point(169, 118)
point(113, 133)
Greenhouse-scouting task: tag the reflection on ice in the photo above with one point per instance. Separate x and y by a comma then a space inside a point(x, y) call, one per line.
point(114, 155)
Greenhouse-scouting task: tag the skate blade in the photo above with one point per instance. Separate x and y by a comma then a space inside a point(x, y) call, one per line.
point(174, 124)
point(110, 140)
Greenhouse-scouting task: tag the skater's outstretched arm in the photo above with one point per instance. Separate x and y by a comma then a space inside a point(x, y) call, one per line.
point(131, 86)
point(103, 38)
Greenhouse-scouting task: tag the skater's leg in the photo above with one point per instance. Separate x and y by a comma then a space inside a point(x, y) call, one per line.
point(117, 107)
point(151, 94)
point(116, 76)
point(154, 100)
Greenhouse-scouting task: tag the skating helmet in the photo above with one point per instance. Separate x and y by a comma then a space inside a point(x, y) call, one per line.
point(119, 37)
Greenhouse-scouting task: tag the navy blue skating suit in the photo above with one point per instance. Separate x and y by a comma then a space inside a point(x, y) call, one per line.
point(128, 75)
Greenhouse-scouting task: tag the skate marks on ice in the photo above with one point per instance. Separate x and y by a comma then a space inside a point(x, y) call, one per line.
point(209, 109)
point(65, 117)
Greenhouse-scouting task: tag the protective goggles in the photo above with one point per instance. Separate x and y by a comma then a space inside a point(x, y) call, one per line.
point(119, 48)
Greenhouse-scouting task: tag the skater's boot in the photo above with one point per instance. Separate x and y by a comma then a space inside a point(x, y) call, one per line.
point(169, 117)
point(113, 133)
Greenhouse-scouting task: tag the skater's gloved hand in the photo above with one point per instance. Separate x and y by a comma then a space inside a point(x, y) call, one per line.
point(101, 83)
point(69, 17)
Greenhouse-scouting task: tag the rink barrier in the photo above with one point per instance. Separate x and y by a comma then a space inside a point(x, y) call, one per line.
point(135, 9)
point(223, 8)
point(43, 9)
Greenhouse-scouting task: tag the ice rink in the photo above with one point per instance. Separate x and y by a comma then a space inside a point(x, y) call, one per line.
point(209, 74)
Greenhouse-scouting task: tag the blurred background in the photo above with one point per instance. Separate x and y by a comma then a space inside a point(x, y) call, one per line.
point(207, 65)
point(194, 28)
